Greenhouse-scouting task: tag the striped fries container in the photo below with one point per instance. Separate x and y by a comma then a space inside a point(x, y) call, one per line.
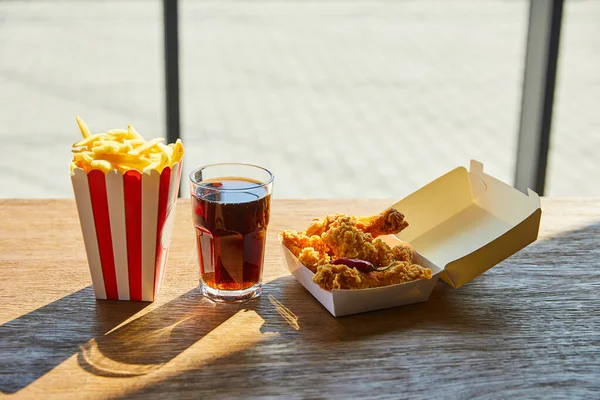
point(127, 220)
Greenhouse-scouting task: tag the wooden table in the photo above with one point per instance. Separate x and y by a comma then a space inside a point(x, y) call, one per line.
point(530, 327)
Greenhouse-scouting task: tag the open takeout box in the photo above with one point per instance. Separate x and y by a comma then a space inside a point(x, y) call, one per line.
point(461, 225)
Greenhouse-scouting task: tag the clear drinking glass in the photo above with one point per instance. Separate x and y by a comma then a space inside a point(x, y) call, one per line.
point(230, 209)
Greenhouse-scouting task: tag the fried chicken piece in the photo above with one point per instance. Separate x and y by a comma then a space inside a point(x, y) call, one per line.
point(312, 258)
point(386, 223)
point(296, 241)
point(403, 252)
point(342, 236)
point(400, 272)
point(347, 241)
point(385, 254)
point(329, 276)
point(319, 226)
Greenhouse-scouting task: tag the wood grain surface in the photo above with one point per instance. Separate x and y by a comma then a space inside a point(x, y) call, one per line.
point(528, 328)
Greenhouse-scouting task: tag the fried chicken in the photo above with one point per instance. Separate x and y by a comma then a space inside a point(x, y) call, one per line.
point(319, 226)
point(388, 222)
point(296, 241)
point(403, 252)
point(329, 276)
point(399, 272)
point(312, 258)
point(346, 240)
point(341, 236)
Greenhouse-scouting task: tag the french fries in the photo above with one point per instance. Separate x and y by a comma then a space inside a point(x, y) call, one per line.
point(123, 150)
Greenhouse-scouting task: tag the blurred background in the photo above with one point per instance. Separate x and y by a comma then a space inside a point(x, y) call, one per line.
point(339, 98)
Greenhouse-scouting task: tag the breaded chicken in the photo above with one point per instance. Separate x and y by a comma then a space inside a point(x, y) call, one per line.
point(346, 240)
point(296, 241)
point(388, 222)
point(312, 258)
point(403, 252)
point(319, 226)
point(341, 236)
point(329, 276)
point(399, 272)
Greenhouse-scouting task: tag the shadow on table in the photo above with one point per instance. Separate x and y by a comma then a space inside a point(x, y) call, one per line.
point(148, 342)
point(293, 324)
point(78, 324)
point(443, 310)
point(256, 343)
point(329, 346)
point(40, 340)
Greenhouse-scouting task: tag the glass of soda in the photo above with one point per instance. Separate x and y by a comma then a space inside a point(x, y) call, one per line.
point(230, 209)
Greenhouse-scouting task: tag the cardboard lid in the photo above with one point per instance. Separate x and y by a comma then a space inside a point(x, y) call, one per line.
point(466, 222)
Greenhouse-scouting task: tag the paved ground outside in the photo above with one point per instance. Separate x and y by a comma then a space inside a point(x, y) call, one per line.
point(339, 98)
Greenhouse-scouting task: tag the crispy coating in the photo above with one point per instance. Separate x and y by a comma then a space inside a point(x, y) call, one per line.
point(329, 276)
point(385, 254)
point(342, 236)
point(319, 226)
point(403, 252)
point(312, 258)
point(296, 241)
point(386, 223)
point(400, 272)
point(346, 240)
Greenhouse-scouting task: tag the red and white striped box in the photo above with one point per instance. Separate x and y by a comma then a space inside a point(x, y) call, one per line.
point(127, 220)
